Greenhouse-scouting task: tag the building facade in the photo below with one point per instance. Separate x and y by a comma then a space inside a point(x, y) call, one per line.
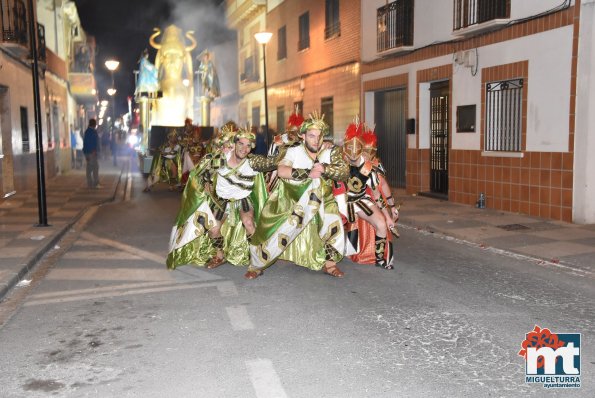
point(312, 60)
point(481, 96)
point(57, 32)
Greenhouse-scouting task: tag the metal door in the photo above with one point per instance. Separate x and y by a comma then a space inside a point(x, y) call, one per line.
point(389, 115)
point(6, 158)
point(439, 134)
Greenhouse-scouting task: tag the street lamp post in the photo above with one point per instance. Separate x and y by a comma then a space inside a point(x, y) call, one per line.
point(112, 65)
point(263, 38)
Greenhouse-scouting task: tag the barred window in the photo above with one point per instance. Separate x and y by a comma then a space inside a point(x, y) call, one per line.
point(503, 118)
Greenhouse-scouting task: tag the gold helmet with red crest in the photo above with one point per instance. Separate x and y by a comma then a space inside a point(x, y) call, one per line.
point(352, 142)
point(370, 141)
point(294, 123)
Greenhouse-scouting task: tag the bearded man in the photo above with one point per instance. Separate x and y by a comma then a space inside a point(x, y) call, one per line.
point(300, 221)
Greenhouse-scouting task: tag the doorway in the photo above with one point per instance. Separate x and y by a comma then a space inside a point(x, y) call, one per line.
point(6, 157)
point(389, 115)
point(439, 136)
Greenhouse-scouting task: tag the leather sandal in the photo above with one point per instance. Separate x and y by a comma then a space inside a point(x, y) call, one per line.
point(333, 270)
point(215, 262)
point(253, 274)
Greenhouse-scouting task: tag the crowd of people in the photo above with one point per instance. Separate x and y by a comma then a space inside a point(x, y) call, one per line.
point(307, 200)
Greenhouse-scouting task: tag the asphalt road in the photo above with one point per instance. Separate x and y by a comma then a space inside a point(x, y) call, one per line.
point(104, 318)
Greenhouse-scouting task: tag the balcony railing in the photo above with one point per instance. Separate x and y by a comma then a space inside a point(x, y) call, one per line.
point(14, 21)
point(394, 25)
point(473, 12)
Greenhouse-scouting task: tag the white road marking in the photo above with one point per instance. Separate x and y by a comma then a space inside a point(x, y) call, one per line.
point(240, 320)
point(264, 379)
point(119, 294)
point(127, 248)
point(109, 274)
point(100, 255)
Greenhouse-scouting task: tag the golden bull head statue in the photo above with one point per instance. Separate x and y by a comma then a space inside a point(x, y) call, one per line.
point(174, 65)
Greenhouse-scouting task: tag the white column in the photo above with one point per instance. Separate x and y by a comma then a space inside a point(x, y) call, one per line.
point(584, 137)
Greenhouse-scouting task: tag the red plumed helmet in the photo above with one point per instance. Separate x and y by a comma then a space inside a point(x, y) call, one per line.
point(295, 120)
point(354, 130)
point(370, 139)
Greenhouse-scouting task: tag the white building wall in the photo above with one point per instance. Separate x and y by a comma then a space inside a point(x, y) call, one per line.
point(54, 26)
point(17, 78)
point(549, 55)
point(433, 21)
point(584, 138)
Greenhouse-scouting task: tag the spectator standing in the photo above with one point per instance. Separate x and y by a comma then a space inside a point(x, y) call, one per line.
point(91, 149)
point(114, 147)
point(73, 146)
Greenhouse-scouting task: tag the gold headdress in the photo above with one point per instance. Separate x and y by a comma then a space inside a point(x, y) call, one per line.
point(246, 133)
point(226, 134)
point(172, 134)
point(315, 121)
point(352, 142)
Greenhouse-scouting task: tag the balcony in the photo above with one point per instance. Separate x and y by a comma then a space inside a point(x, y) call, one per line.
point(14, 27)
point(475, 16)
point(83, 87)
point(394, 28)
point(238, 11)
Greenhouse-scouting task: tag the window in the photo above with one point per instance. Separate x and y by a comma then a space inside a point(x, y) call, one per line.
point(503, 117)
point(250, 73)
point(394, 25)
point(304, 39)
point(473, 12)
point(256, 116)
point(280, 119)
point(326, 108)
point(332, 23)
point(282, 43)
point(25, 129)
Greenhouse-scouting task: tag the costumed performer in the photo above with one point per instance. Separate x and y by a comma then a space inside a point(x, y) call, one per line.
point(361, 204)
point(220, 205)
point(167, 165)
point(300, 221)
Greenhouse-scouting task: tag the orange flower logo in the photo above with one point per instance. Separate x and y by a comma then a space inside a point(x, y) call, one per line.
point(540, 338)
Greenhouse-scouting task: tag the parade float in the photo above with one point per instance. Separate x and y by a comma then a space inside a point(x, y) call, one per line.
point(165, 90)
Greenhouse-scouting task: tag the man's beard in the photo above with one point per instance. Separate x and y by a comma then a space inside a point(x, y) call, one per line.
point(308, 147)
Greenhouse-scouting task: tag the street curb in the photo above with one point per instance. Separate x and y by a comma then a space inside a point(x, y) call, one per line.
point(431, 229)
point(32, 260)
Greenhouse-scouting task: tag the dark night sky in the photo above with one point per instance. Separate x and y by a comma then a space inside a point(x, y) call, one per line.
point(122, 29)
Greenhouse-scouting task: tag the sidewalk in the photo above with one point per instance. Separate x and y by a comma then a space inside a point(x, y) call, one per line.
point(22, 243)
point(547, 242)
